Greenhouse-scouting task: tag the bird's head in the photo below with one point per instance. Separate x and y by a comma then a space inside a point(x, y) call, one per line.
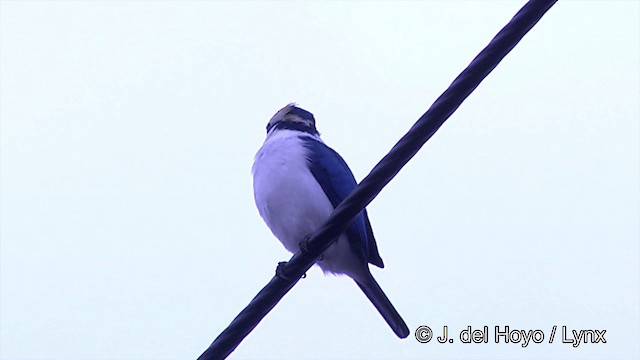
point(293, 118)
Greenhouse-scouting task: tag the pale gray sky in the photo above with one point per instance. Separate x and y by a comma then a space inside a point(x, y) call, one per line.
point(128, 129)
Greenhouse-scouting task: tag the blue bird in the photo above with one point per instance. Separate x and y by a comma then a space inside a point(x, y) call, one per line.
point(297, 182)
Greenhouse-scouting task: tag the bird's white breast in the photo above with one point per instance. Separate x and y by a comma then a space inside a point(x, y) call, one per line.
point(287, 195)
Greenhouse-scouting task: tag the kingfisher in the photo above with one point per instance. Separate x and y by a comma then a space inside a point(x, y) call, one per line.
point(297, 182)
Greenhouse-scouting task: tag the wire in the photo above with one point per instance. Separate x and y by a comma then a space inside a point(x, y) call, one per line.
point(288, 274)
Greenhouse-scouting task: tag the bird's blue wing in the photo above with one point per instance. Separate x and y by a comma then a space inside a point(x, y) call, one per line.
point(337, 181)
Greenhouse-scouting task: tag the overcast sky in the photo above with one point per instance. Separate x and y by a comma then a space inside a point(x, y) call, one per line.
point(128, 130)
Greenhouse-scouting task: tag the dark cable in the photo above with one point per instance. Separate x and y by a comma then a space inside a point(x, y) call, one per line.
point(289, 273)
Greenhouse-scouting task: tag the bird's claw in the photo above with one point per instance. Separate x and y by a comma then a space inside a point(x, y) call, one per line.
point(281, 273)
point(304, 247)
point(280, 270)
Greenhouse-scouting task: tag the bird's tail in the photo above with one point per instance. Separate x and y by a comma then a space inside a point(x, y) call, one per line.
point(377, 297)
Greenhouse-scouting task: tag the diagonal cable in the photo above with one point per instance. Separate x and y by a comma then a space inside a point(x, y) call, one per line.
point(382, 173)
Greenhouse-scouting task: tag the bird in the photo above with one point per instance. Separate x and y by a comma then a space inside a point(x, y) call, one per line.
point(298, 181)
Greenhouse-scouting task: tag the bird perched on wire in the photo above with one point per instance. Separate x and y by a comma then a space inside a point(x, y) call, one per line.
point(297, 183)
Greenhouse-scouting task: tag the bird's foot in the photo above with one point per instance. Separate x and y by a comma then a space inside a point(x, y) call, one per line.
point(280, 272)
point(304, 247)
